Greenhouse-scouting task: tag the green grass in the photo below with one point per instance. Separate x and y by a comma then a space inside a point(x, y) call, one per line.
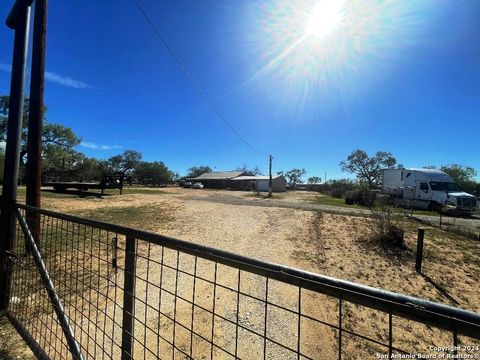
point(332, 201)
point(49, 193)
point(143, 217)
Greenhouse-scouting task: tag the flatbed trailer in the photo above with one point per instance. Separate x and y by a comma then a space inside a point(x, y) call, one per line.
point(109, 181)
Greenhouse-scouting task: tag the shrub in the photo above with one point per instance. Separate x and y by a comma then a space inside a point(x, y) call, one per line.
point(385, 224)
point(349, 201)
point(337, 188)
point(337, 193)
point(362, 195)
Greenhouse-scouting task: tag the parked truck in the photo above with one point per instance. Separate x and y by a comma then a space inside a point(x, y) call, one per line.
point(428, 189)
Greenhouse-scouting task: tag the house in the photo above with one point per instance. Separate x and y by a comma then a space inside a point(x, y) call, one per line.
point(259, 183)
point(217, 180)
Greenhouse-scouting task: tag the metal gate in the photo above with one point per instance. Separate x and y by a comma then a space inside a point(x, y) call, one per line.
point(132, 294)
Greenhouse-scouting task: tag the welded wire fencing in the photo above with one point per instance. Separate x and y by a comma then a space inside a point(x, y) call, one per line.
point(131, 294)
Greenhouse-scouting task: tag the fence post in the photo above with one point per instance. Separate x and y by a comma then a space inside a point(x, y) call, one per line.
point(418, 265)
point(128, 298)
point(35, 121)
point(19, 21)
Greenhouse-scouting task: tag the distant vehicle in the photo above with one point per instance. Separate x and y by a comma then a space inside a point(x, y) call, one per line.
point(187, 184)
point(428, 189)
point(198, 185)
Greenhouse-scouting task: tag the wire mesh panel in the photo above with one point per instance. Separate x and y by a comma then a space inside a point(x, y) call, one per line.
point(83, 263)
point(130, 294)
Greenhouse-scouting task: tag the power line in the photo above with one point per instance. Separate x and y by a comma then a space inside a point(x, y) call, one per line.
point(190, 77)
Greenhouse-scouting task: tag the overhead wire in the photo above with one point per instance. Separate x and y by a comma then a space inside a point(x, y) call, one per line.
point(190, 77)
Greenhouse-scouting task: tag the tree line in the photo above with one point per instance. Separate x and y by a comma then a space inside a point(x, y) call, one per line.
point(62, 162)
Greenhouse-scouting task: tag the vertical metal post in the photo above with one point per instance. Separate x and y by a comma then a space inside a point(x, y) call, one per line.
point(340, 301)
point(128, 299)
point(35, 122)
point(20, 21)
point(390, 334)
point(418, 264)
point(270, 177)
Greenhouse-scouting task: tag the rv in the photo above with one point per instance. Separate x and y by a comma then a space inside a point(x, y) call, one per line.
point(428, 189)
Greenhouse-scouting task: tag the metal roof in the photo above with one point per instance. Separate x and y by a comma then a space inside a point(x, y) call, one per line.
point(221, 175)
point(257, 177)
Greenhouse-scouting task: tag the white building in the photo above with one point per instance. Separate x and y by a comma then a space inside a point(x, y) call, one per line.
point(260, 183)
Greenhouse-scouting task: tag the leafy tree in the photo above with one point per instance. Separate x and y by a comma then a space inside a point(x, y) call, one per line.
point(338, 187)
point(67, 164)
point(152, 173)
point(369, 169)
point(464, 176)
point(314, 180)
point(52, 134)
point(294, 176)
point(88, 169)
point(195, 171)
point(249, 172)
point(4, 104)
point(124, 163)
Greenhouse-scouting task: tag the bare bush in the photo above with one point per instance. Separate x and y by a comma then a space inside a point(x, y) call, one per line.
point(385, 224)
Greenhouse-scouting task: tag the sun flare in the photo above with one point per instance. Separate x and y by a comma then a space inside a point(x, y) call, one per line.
point(317, 51)
point(325, 17)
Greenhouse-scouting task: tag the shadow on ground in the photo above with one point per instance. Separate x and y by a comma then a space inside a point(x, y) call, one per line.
point(81, 194)
point(440, 289)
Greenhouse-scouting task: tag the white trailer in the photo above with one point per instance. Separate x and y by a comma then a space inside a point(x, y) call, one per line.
point(428, 189)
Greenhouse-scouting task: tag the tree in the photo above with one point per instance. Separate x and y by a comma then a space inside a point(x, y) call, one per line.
point(52, 134)
point(88, 169)
point(67, 164)
point(249, 172)
point(294, 176)
point(195, 171)
point(314, 180)
point(464, 176)
point(124, 163)
point(369, 169)
point(152, 173)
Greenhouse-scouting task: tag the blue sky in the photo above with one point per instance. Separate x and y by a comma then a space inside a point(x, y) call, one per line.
point(399, 76)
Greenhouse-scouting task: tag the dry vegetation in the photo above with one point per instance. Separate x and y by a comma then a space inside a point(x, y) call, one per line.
point(330, 244)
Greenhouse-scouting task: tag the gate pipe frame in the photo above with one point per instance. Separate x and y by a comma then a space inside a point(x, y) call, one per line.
point(73, 345)
point(18, 20)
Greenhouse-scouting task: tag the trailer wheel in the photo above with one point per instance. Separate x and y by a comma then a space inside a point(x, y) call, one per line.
point(435, 207)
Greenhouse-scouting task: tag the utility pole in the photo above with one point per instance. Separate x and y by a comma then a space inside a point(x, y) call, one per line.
point(325, 178)
point(17, 20)
point(35, 122)
point(270, 177)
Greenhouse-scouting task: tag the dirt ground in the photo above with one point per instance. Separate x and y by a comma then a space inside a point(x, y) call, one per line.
point(335, 245)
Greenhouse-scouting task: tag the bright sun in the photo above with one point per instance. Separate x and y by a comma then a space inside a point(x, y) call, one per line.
point(325, 17)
